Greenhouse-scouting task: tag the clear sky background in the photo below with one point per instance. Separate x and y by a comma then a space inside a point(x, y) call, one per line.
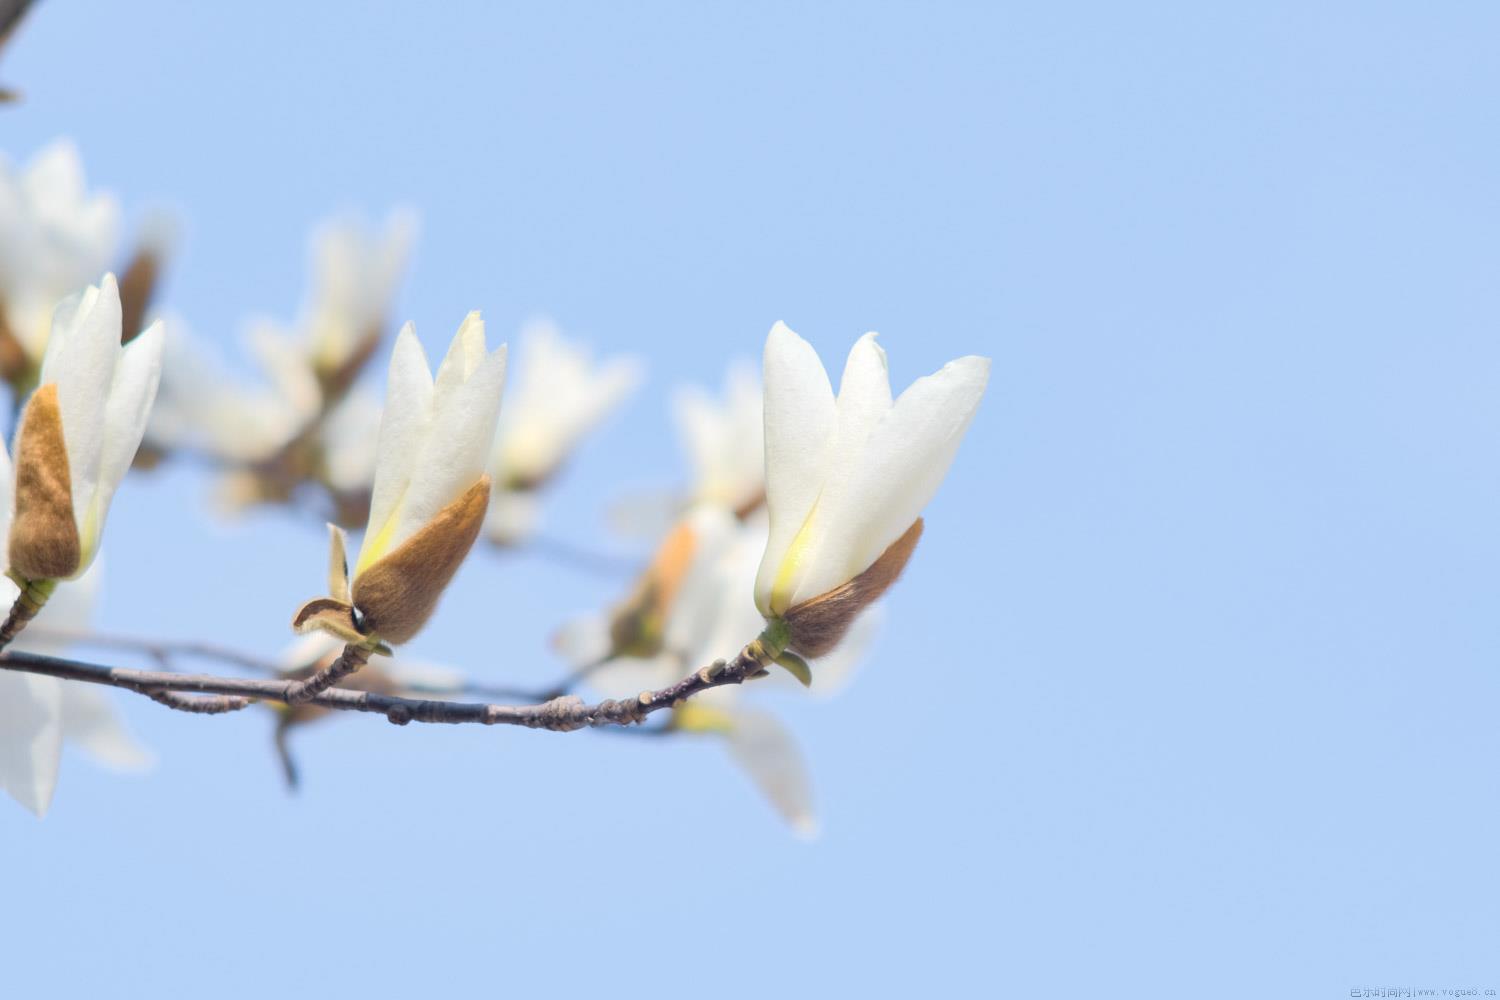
point(1191, 687)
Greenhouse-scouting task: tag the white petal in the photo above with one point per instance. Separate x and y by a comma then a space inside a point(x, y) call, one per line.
point(90, 723)
point(80, 359)
point(458, 444)
point(464, 356)
point(766, 751)
point(30, 738)
point(125, 416)
point(513, 516)
point(583, 640)
point(285, 364)
point(403, 433)
point(801, 419)
point(903, 462)
point(628, 676)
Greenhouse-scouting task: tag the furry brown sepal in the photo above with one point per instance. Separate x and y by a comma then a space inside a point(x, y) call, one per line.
point(397, 595)
point(137, 288)
point(44, 542)
point(818, 625)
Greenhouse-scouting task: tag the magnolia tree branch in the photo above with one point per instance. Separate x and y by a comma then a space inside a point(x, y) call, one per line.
point(166, 652)
point(562, 714)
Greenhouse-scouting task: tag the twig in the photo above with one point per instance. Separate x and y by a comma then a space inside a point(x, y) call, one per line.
point(351, 659)
point(25, 607)
point(200, 704)
point(563, 714)
point(165, 651)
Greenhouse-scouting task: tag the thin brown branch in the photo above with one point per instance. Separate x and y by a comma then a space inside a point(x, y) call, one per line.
point(351, 659)
point(22, 610)
point(167, 652)
point(563, 714)
point(200, 704)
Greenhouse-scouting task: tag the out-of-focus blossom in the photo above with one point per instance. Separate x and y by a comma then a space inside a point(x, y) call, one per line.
point(847, 477)
point(297, 425)
point(78, 434)
point(693, 606)
point(430, 491)
point(356, 271)
point(724, 440)
point(55, 237)
point(39, 714)
point(559, 395)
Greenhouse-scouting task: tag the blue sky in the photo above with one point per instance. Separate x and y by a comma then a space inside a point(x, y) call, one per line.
point(1190, 688)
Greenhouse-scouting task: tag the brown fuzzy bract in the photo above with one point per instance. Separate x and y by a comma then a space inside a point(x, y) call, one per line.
point(327, 614)
point(398, 594)
point(44, 542)
point(819, 624)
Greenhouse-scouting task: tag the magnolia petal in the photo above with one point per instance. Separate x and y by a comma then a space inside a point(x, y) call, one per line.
point(91, 724)
point(80, 361)
point(457, 446)
point(864, 391)
point(800, 421)
point(464, 356)
point(126, 413)
point(399, 592)
point(513, 516)
point(764, 749)
point(285, 364)
point(817, 626)
point(338, 564)
point(582, 641)
point(403, 430)
point(30, 738)
point(902, 463)
point(44, 540)
point(627, 676)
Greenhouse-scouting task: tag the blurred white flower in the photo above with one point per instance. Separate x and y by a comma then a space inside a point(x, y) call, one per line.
point(710, 614)
point(350, 442)
point(559, 395)
point(201, 405)
point(356, 271)
point(55, 238)
point(39, 714)
point(847, 477)
point(724, 440)
point(79, 433)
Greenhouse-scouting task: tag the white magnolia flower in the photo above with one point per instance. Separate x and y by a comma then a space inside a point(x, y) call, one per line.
point(356, 271)
point(711, 615)
point(39, 714)
point(724, 440)
point(201, 405)
point(430, 490)
point(351, 442)
point(78, 433)
point(55, 237)
point(306, 370)
point(560, 394)
point(847, 478)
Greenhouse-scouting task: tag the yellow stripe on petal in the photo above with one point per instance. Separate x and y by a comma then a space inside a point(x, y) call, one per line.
point(380, 543)
point(786, 573)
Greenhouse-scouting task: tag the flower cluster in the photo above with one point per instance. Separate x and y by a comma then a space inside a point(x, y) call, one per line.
point(802, 509)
